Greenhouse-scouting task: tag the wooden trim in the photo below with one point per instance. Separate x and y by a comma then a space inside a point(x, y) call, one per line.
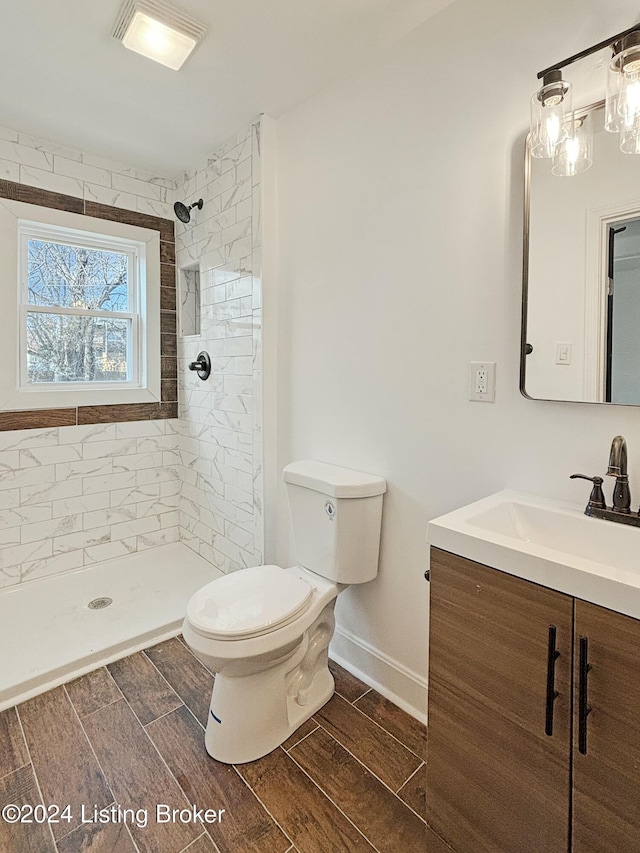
point(46, 418)
point(131, 217)
point(37, 419)
point(118, 413)
point(169, 390)
point(169, 346)
point(167, 253)
point(44, 198)
point(168, 276)
point(169, 410)
point(168, 322)
point(167, 298)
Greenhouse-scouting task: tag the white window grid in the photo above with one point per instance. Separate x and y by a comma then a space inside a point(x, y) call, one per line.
point(135, 252)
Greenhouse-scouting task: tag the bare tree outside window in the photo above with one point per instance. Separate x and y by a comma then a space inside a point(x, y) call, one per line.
point(70, 335)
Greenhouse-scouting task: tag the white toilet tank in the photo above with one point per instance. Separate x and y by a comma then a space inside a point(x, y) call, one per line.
point(336, 516)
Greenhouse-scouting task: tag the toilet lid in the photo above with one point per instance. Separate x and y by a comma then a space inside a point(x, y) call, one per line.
point(248, 603)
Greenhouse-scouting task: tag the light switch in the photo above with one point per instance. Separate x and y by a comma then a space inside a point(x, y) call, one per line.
point(563, 353)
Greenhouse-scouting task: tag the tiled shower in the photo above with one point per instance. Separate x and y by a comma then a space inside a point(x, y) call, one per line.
point(72, 496)
point(220, 421)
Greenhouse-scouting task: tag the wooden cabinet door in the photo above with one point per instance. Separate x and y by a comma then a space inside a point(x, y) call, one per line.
point(496, 783)
point(606, 797)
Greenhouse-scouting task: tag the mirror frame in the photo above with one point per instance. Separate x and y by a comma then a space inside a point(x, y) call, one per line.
point(525, 277)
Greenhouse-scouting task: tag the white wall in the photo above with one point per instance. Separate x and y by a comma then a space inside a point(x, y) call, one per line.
point(400, 215)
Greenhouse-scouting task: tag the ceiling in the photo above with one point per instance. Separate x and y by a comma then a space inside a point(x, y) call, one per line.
point(66, 79)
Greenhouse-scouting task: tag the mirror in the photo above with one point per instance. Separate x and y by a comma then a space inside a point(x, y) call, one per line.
point(581, 294)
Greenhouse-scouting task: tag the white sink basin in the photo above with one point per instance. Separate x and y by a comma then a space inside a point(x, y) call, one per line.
point(550, 543)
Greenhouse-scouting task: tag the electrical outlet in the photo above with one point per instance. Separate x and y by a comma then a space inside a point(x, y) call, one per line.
point(482, 381)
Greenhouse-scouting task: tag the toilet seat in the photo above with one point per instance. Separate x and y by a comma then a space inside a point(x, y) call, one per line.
point(248, 603)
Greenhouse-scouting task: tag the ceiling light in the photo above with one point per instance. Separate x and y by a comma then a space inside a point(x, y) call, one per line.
point(158, 31)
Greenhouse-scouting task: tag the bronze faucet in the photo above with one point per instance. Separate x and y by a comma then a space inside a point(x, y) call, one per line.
point(621, 509)
point(618, 469)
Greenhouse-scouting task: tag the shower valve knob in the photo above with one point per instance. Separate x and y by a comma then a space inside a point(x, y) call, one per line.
point(202, 365)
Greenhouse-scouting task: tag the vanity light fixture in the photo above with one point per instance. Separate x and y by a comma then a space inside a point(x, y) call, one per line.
point(566, 137)
point(158, 30)
point(574, 153)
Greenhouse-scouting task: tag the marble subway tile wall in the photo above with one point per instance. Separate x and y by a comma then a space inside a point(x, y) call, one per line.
point(48, 166)
point(189, 302)
point(71, 496)
point(220, 443)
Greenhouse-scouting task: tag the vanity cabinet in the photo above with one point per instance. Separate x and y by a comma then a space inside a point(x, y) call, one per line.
point(505, 773)
point(606, 780)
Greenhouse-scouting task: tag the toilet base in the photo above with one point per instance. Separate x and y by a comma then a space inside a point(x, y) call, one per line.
point(251, 715)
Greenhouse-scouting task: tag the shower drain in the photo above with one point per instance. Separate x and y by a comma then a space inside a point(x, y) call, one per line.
point(99, 603)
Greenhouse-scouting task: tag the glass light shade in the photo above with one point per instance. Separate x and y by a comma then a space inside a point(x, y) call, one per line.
point(629, 100)
point(158, 41)
point(630, 139)
point(612, 119)
point(574, 153)
point(551, 112)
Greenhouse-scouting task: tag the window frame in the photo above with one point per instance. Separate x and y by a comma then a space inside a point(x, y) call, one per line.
point(135, 250)
point(86, 404)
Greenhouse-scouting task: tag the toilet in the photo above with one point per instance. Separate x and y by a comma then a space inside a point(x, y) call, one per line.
point(265, 631)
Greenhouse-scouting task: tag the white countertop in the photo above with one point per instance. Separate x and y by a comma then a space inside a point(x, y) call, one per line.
point(548, 542)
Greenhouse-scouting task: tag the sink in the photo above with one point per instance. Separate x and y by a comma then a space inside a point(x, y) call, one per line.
point(559, 527)
point(548, 542)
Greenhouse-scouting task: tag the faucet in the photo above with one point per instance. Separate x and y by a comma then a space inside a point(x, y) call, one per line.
point(618, 469)
point(621, 509)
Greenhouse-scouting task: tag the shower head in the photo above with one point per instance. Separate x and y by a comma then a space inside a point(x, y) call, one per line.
point(183, 212)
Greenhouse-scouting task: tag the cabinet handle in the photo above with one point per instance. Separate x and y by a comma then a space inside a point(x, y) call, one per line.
point(552, 694)
point(584, 709)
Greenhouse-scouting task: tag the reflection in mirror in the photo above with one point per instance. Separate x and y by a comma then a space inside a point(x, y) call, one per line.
point(623, 314)
point(581, 304)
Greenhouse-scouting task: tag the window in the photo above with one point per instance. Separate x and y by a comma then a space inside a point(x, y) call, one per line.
point(80, 324)
point(81, 309)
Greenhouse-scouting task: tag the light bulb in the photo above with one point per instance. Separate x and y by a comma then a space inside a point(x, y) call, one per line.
point(629, 100)
point(573, 149)
point(154, 36)
point(552, 130)
point(574, 153)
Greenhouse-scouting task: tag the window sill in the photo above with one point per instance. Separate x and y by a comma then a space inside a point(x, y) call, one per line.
point(39, 399)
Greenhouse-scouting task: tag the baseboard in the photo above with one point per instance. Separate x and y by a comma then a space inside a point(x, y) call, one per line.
point(394, 681)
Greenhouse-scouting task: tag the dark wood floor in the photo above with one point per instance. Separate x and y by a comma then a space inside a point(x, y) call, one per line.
point(351, 779)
